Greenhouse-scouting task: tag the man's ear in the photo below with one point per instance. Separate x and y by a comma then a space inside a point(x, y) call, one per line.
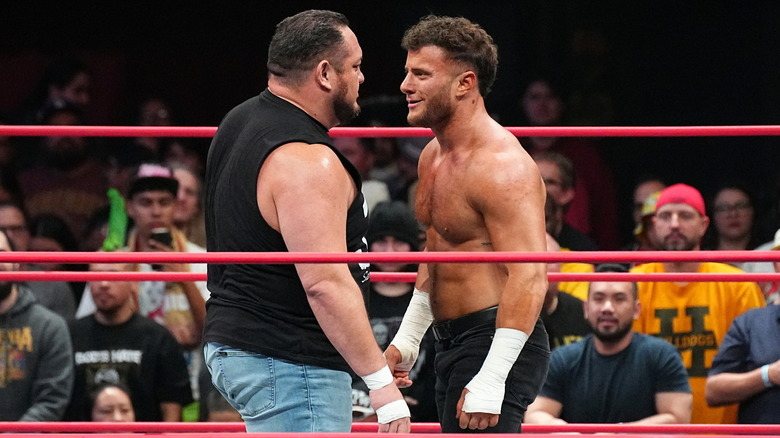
point(467, 81)
point(324, 74)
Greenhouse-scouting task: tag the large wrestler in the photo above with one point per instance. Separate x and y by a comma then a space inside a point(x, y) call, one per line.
point(478, 191)
point(280, 339)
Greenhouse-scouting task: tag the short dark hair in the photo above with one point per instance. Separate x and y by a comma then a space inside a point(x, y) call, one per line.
point(565, 165)
point(304, 39)
point(463, 40)
point(616, 267)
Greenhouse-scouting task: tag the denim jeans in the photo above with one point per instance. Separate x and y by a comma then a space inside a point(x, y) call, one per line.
point(458, 360)
point(277, 396)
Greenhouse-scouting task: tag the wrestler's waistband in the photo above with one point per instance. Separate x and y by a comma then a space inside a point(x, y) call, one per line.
point(453, 327)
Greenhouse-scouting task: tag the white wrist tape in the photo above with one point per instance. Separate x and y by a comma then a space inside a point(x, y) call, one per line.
point(392, 411)
point(417, 319)
point(486, 389)
point(378, 379)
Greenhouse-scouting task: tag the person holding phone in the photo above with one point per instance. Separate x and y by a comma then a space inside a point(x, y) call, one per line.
point(179, 306)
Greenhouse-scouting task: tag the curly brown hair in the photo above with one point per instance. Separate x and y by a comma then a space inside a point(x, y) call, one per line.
point(463, 40)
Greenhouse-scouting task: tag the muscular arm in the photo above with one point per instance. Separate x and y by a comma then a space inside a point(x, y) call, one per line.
point(672, 407)
point(171, 411)
point(544, 410)
point(511, 202)
point(725, 388)
point(304, 192)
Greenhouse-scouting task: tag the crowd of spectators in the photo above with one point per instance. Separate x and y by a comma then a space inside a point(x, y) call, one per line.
point(54, 197)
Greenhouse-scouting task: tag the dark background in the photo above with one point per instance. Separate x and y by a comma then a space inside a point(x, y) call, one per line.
point(653, 62)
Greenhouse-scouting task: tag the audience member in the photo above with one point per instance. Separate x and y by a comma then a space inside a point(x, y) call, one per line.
point(593, 210)
point(188, 213)
point(393, 227)
point(554, 221)
point(64, 80)
point(359, 152)
point(746, 369)
point(733, 217)
point(614, 375)
point(56, 296)
point(561, 313)
point(68, 181)
point(645, 187)
point(646, 239)
point(179, 306)
point(771, 289)
point(49, 232)
point(693, 316)
point(36, 366)
point(111, 403)
point(403, 187)
point(559, 180)
point(117, 345)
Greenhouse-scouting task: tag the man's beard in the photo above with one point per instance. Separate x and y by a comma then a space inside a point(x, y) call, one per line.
point(5, 289)
point(683, 244)
point(438, 110)
point(344, 109)
point(612, 337)
point(65, 157)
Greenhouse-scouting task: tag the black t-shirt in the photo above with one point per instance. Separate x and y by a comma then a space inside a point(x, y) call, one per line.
point(140, 354)
point(567, 324)
point(263, 308)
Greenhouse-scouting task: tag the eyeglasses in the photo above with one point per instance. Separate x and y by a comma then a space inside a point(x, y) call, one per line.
point(738, 207)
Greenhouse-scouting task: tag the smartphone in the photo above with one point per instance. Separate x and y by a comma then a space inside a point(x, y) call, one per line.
point(162, 235)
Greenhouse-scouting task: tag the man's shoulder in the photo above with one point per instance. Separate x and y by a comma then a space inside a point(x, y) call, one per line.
point(722, 268)
point(651, 343)
point(570, 352)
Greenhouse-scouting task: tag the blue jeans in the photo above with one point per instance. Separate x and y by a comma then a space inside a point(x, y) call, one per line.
point(277, 396)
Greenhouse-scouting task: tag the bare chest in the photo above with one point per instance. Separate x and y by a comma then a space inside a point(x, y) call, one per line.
point(443, 205)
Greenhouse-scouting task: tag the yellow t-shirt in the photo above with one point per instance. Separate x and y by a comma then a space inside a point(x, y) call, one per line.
point(578, 289)
point(694, 317)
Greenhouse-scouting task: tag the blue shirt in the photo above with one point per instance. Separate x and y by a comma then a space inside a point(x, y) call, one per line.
point(752, 341)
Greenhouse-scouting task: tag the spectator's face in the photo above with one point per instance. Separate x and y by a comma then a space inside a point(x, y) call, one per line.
point(610, 309)
point(679, 227)
point(732, 214)
point(113, 405)
point(40, 243)
point(13, 224)
point(187, 199)
point(111, 296)
point(358, 155)
point(6, 286)
point(151, 209)
point(76, 91)
point(389, 244)
point(541, 106)
point(641, 192)
point(553, 183)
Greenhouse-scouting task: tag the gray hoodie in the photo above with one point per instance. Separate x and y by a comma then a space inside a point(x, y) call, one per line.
point(36, 362)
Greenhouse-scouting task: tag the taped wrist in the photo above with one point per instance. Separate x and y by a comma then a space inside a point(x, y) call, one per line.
point(486, 389)
point(392, 411)
point(417, 319)
point(378, 379)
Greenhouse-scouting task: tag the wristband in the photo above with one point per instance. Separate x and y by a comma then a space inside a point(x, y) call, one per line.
point(392, 411)
point(416, 320)
point(486, 389)
point(378, 379)
point(765, 376)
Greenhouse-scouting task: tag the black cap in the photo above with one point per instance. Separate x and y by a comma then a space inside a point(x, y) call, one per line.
point(393, 218)
point(153, 176)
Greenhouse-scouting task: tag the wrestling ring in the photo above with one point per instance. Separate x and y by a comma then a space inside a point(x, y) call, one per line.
point(364, 430)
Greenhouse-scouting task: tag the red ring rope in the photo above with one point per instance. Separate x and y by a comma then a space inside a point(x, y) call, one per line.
point(681, 277)
point(547, 131)
point(387, 257)
point(223, 429)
